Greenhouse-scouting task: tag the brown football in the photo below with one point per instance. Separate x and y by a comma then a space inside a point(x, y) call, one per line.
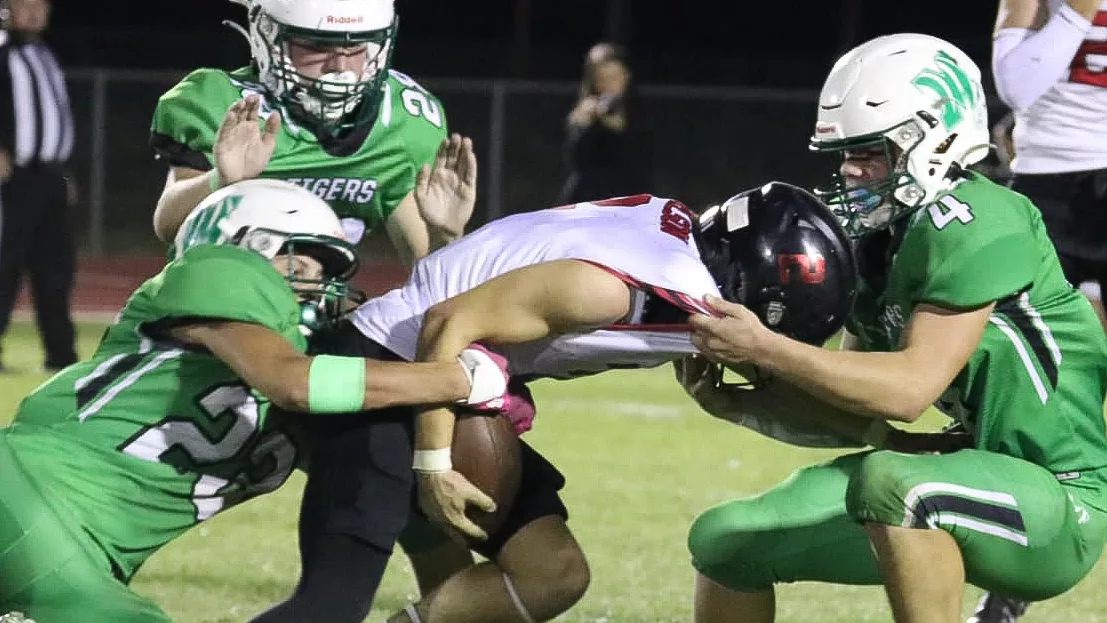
point(486, 451)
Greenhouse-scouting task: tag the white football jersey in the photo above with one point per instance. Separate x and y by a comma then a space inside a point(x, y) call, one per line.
point(644, 240)
point(1066, 128)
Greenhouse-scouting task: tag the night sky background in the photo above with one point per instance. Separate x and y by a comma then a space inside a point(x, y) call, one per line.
point(787, 44)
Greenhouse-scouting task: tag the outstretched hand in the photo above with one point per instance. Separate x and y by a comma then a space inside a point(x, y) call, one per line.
point(243, 147)
point(446, 191)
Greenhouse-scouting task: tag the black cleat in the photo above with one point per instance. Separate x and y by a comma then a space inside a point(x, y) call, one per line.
point(998, 609)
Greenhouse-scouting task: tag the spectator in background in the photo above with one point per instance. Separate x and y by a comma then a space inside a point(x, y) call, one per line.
point(607, 146)
point(1048, 68)
point(36, 140)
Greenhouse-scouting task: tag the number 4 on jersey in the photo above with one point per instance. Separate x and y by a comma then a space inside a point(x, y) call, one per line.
point(948, 209)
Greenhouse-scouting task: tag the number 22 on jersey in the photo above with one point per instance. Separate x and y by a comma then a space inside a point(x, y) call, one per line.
point(252, 463)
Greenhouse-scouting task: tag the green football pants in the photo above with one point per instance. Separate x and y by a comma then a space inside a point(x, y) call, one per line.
point(1021, 532)
point(51, 571)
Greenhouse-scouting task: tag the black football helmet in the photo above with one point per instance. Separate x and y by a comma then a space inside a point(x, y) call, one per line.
point(779, 251)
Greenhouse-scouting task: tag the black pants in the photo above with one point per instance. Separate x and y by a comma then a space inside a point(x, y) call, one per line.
point(359, 492)
point(1074, 210)
point(36, 239)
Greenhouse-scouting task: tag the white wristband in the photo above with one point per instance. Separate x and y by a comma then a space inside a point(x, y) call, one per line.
point(876, 434)
point(432, 460)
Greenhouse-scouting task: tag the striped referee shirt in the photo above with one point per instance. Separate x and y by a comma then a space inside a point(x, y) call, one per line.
point(36, 123)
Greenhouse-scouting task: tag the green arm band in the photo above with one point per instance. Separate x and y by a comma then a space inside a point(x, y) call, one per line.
point(336, 384)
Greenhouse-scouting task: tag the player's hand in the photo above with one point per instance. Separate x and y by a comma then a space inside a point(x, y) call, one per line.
point(703, 381)
point(446, 191)
point(243, 146)
point(444, 497)
point(586, 111)
point(732, 337)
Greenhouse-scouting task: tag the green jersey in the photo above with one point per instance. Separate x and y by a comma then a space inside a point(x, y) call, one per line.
point(1034, 387)
point(363, 178)
point(148, 438)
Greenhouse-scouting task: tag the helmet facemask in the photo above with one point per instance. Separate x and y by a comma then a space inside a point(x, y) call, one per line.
point(324, 300)
point(334, 103)
point(874, 204)
point(919, 101)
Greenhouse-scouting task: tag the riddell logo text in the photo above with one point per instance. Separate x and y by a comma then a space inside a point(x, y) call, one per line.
point(343, 19)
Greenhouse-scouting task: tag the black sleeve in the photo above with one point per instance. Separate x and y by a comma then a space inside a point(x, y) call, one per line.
point(177, 154)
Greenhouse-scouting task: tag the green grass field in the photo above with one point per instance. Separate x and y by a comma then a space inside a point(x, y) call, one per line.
point(640, 460)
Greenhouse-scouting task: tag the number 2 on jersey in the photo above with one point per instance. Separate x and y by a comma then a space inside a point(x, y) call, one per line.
point(416, 101)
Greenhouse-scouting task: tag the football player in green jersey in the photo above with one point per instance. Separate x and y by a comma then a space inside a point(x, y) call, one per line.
point(963, 305)
point(169, 422)
point(321, 107)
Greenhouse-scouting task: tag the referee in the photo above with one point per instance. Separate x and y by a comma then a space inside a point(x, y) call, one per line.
point(36, 194)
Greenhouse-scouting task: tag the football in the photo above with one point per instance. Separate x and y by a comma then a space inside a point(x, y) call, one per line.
point(486, 451)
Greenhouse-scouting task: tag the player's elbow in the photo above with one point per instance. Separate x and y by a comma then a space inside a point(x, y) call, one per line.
point(442, 322)
point(907, 406)
point(160, 229)
point(164, 226)
point(1017, 97)
point(436, 317)
point(1014, 90)
point(897, 402)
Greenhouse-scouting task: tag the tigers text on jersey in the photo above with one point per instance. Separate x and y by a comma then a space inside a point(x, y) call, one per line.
point(646, 241)
point(365, 185)
point(1064, 129)
point(147, 438)
point(1034, 387)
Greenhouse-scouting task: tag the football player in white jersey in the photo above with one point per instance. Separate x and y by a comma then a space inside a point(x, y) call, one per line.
point(579, 290)
point(1048, 60)
point(1048, 64)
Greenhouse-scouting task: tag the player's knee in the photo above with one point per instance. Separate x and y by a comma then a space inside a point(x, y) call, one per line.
point(727, 547)
point(567, 574)
point(551, 582)
point(546, 565)
point(573, 574)
point(877, 490)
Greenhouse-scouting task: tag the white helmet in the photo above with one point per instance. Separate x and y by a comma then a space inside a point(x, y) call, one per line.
point(338, 101)
point(274, 217)
point(917, 93)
